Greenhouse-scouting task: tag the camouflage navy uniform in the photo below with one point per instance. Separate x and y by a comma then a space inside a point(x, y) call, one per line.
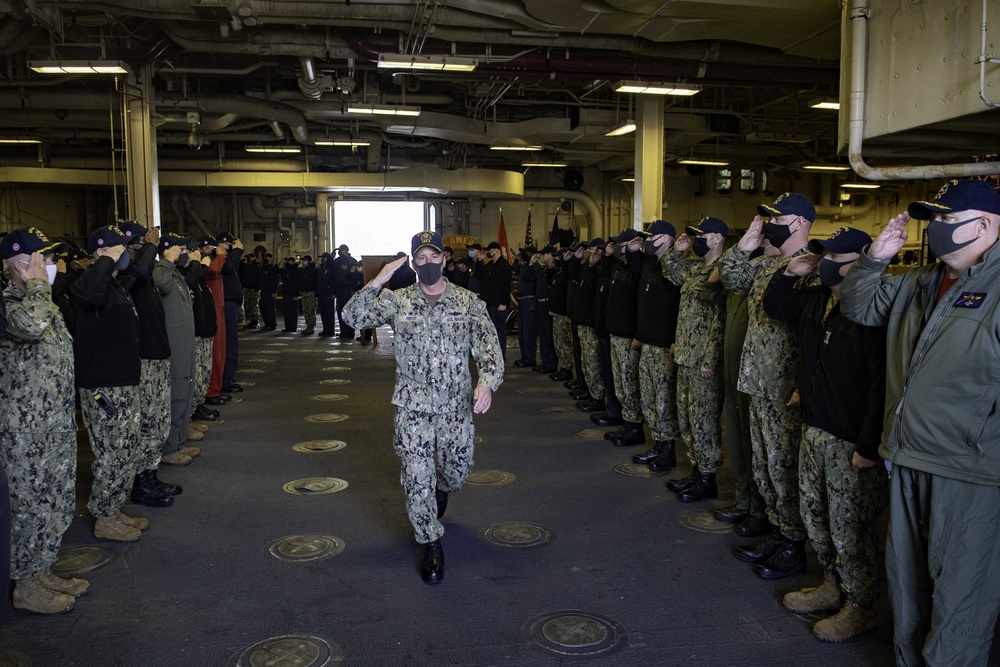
point(590, 356)
point(308, 301)
point(37, 426)
point(562, 338)
point(251, 305)
point(625, 366)
point(768, 373)
point(700, 329)
point(203, 367)
point(433, 395)
point(154, 403)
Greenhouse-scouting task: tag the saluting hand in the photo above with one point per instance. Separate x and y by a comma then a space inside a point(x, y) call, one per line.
point(751, 240)
point(483, 397)
point(891, 240)
point(36, 268)
point(383, 276)
point(683, 243)
point(803, 265)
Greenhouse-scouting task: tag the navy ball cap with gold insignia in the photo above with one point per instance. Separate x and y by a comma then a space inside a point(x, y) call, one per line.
point(429, 239)
point(26, 241)
point(105, 237)
point(958, 195)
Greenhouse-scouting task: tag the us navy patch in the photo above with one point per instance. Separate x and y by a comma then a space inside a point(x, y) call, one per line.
point(970, 300)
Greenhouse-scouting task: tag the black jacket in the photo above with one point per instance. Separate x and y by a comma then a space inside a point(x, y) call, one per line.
point(205, 324)
point(269, 277)
point(106, 346)
point(658, 305)
point(606, 266)
point(60, 297)
point(308, 278)
point(289, 280)
point(558, 290)
point(343, 279)
point(153, 341)
point(497, 280)
point(249, 274)
point(842, 364)
point(582, 307)
point(623, 298)
point(526, 279)
point(231, 285)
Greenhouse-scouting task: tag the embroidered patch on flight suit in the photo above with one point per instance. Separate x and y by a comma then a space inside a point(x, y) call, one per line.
point(970, 300)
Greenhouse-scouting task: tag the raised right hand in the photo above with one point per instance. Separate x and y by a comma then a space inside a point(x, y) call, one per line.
point(383, 276)
point(751, 240)
point(114, 252)
point(803, 265)
point(891, 240)
point(682, 243)
point(36, 268)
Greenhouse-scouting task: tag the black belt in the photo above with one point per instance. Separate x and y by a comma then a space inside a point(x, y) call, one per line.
point(543, 299)
point(526, 296)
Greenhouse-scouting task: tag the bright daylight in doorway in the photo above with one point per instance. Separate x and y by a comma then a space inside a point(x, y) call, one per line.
point(376, 227)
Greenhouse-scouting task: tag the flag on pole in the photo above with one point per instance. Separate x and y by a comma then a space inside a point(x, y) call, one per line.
point(502, 238)
point(554, 234)
point(527, 232)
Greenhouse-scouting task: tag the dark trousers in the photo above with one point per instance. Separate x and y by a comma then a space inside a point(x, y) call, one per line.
point(346, 330)
point(547, 348)
point(232, 343)
point(327, 312)
point(527, 329)
point(290, 309)
point(4, 543)
point(614, 408)
point(578, 361)
point(499, 318)
point(268, 312)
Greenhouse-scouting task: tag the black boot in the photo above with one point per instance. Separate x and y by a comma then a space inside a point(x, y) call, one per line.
point(633, 435)
point(648, 455)
point(604, 419)
point(145, 493)
point(592, 405)
point(432, 569)
point(614, 435)
point(758, 553)
point(201, 413)
point(579, 395)
point(678, 485)
point(704, 487)
point(789, 559)
point(667, 460)
point(442, 501)
point(165, 488)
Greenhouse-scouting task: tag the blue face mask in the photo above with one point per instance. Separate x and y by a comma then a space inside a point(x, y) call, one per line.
point(940, 236)
point(123, 261)
point(829, 271)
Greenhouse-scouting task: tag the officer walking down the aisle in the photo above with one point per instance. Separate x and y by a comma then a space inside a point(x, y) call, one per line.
point(438, 326)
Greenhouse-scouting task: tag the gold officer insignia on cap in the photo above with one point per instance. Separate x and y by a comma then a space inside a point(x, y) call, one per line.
point(944, 188)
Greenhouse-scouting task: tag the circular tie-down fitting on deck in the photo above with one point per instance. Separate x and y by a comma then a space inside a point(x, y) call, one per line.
point(334, 369)
point(704, 522)
point(269, 351)
point(290, 651)
point(77, 560)
point(590, 434)
point(311, 446)
point(250, 370)
point(315, 486)
point(577, 633)
point(636, 470)
point(327, 418)
point(305, 548)
point(556, 409)
point(247, 384)
point(275, 344)
point(517, 535)
point(537, 390)
point(262, 360)
point(489, 478)
point(479, 439)
point(338, 351)
point(334, 381)
point(9, 658)
point(330, 397)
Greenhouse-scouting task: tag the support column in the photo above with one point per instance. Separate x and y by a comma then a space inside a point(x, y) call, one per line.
point(142, 174)
point(648, 202)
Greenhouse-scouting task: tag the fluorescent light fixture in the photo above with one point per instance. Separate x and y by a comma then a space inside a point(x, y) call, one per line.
point(824, 103)
point(79, 66)
point(624, 127)
point(515, 147)
point(353, 144)
point(628, 179)
point(704, 163)
point(536, 163)
point(383, 110)
point(430, 63)
point(273, 149)
point(825, 167)
point(19, 140)
point(648, 88)
point(860, 186)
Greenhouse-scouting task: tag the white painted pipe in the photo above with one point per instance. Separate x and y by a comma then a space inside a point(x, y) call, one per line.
point(983, 59)
point(859, 80)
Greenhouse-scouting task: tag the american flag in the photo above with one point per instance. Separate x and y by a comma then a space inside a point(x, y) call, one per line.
point(527, 232)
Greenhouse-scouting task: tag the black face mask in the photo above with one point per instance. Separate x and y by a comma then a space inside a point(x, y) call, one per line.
point(649, 247)
point(429, 273)
point(777, 234)
point(182, 259)
point(700, 247)
point(829, 271)
point(940, 236)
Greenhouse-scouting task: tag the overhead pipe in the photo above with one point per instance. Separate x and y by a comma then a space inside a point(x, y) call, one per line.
point(194, 215)
point(242, 105)
point(859, 14)
point(272, 212)
point(556, 194)
point(309, 82)
point(983, 59)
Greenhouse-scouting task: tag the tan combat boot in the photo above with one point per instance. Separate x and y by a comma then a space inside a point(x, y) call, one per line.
point(109, 528)
point(193, 452)
point(177, 459)
point(851, 621)
point(201, 426)
point(32, 595)
point(825, 597)
point(136, 522)
point(195, 433)
point(74, 587)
